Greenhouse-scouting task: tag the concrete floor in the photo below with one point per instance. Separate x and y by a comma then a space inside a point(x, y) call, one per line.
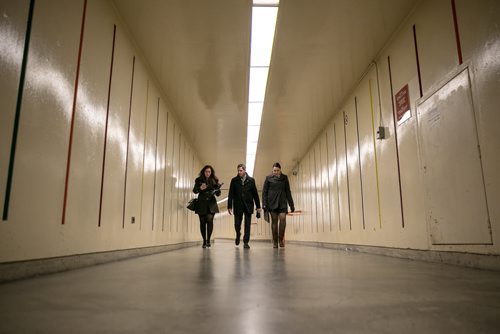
point(225, 289)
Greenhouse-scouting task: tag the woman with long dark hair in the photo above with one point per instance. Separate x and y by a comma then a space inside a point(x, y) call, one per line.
point(207, 187)
point(276, 196)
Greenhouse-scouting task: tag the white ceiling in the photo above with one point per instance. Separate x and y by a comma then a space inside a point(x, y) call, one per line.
point(199, 51)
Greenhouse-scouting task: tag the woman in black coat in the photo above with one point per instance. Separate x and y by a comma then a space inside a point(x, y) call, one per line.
point(276, 196)
point(207, 187)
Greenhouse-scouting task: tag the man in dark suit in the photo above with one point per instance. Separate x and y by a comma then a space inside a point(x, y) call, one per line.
point(242, 196)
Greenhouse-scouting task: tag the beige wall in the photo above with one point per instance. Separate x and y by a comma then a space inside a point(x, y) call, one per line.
point(347, 185)
point(363, 192)
point(161, 164)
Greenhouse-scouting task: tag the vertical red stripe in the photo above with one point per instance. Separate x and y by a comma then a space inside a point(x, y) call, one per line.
point(72, 126)
point(417, 59)
point(457, 35)
point(397, 145)
point(106, 126)
point(128, 141)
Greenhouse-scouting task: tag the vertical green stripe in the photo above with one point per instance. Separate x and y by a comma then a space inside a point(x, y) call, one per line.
point(18, 111)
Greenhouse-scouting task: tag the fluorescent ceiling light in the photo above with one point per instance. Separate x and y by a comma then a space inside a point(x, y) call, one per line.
point(250, 163)
point(251, 147)
point(266, 2)
point(253, 133)
point(258, 81)
point(255, 113)
point(263, 25)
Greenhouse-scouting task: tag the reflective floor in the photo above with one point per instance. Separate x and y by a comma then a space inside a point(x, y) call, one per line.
point(226, 289)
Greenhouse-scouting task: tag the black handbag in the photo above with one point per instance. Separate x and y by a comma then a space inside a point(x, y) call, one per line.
point(192, 204)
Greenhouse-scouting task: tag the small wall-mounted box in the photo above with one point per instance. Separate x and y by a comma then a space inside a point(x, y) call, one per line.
point(381, 133)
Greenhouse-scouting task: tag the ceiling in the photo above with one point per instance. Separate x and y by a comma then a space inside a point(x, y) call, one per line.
point(199, 52)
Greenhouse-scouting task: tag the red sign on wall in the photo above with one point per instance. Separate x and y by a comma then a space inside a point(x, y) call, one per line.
point(403, 110)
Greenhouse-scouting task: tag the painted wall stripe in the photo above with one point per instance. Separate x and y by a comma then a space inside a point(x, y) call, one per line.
point(375, 154)
point(192, 184)
point(337, 173)
point(417, 59)
point(144, 151)
point(172, 184)
point(178, 188)
point(316, 200)
point(165, 176)
point(328, 178)
point(20, 91)
point(156, 158)
point(396, 142)
point(106, 126)
point(359, 163)
point(457, 35)
point(128, 142)
point(347, 170)
point(310, 190)
point(321, 175)
point(73, 113)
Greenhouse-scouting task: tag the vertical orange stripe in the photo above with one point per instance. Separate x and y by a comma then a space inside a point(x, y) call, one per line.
point(72, 126)
point(375, 153)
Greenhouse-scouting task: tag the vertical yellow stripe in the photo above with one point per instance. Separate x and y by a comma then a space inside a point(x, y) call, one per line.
point(144, 148)
point(375, 153)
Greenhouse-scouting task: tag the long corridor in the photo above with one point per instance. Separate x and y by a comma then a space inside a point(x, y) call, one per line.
point(225, 289)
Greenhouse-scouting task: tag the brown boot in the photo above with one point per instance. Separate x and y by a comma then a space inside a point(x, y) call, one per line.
point(282, 243)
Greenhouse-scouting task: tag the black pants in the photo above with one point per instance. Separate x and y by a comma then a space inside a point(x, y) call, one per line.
point(206, 226)
point(237, 225)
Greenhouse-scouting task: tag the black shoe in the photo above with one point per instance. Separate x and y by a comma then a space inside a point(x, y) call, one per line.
point(246, 245)
point(204, 245)
point(275, 245)
point(237, 241)
point(208, 244)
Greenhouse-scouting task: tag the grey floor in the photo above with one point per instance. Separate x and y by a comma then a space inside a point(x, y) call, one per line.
point(225, 289)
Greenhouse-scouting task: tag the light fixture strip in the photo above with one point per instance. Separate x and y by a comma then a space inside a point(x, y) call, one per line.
point(264, 14)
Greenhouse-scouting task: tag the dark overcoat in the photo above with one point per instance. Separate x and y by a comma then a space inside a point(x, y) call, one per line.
point(242, 196)
point(276, 194)
point(207, 203)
